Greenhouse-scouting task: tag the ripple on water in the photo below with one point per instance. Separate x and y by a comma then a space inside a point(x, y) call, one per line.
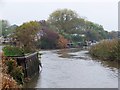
point(75, 69)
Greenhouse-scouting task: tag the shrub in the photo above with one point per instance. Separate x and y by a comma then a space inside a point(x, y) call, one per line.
point(7, 81)
point(12, 51)
point(107, 49)
point(11, 65)
point(62, 42)
point(18, 75)
point(15, 71)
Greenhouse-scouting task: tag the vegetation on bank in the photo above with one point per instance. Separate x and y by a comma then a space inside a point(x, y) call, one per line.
point(12, 51)
point(62, 25)
point(23, 40)
point(106, 50)
point(26, 35)
point(15, 71)
point(11, 75)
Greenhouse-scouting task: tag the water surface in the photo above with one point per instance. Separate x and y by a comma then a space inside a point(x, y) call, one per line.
point(74, 68)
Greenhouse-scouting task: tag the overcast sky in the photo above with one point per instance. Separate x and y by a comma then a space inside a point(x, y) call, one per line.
point(103, 12)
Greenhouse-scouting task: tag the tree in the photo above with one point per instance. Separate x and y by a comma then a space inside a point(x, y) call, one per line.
point(76, 38)
point(113, 34)
point(65, 20)
point(4, 27)
point(49, 39)
point(11, 29)
point(94, 31)
point(25, 35)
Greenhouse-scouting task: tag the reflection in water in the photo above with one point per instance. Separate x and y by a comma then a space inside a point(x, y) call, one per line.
point(75, 54)
point(34, 81)
point(74, 68)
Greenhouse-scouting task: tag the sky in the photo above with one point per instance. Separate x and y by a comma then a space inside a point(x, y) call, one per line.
point(103, 12)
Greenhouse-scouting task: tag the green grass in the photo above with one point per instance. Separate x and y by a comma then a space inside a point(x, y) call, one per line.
point(12, 51)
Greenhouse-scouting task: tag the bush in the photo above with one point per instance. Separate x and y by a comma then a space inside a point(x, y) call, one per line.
point(49, 39)
point(15, 71)
point(62, 42)
point(11, 65)
point(107, 49)
point(18, 75)
point(13, 51)
point(7, 81)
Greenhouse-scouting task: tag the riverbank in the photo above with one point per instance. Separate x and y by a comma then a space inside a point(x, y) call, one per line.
point(106, 50)
point(6, 81)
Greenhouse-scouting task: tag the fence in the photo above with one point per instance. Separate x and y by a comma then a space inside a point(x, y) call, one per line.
point(30, 64)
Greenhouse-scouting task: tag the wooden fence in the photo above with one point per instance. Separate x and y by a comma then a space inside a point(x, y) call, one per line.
point(30, 63)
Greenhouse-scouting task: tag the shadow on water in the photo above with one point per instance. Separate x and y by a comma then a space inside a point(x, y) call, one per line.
point(33, 82)
point(64, 53)
point(108, 63)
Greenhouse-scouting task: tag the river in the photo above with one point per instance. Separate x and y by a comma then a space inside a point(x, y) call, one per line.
point(74, 68)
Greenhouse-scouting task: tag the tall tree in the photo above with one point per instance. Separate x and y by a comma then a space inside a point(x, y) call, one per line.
point(49, 39)
point(65, 20)
point(25, 35)
point(94, 31)
point(4, 27)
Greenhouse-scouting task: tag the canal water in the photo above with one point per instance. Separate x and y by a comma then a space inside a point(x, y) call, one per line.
point(74, 68)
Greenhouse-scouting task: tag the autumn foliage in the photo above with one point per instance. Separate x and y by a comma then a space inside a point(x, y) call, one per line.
point(7, 80)
point(49, 39)
point(62, 42)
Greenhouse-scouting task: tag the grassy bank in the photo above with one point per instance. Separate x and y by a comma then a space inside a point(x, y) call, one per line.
point(106, 50)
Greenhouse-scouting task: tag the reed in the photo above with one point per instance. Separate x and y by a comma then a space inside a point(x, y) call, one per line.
point(107, 50)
